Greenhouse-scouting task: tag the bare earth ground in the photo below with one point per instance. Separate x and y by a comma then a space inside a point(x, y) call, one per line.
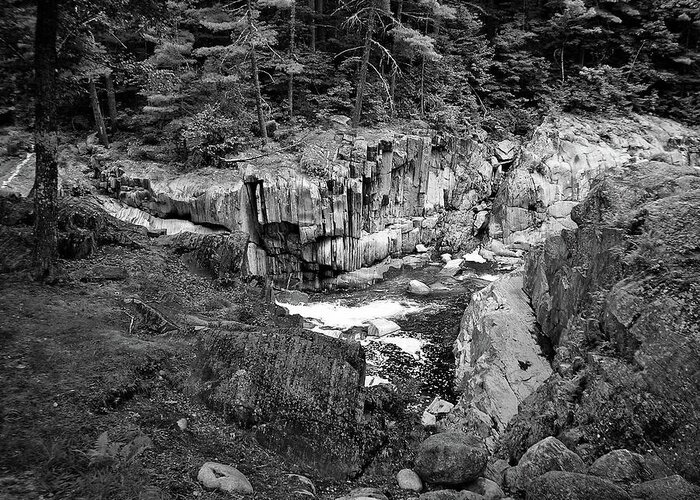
point(73, 365)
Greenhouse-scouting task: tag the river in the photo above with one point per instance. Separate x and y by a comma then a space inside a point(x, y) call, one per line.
point(429, 324)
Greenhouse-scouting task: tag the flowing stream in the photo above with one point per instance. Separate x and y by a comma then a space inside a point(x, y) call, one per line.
point(429, 324)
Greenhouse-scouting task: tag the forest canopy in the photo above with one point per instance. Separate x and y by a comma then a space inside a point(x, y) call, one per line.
point(211, 76)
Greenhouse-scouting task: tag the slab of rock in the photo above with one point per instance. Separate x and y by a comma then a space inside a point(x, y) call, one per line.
point(420, 248)
point(216, 476)
point(451, 458)
point(550, 454)
point(418, 288)
point(621, 466)
point(283, 377)
point(381, 327)
point(498, 360)
point(559, 485)
point(409, 480)
point(452, 267)
point(666, 488)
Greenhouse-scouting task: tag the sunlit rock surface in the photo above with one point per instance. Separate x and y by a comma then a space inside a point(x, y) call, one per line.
point(499, 362)
point(556, 167)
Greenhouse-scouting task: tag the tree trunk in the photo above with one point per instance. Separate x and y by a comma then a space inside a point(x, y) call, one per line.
point(111, 101)
point(357, 112)
point(97, 113)
point(422, 86)
point(392, 85)
point(292, 32)
point(45, 140)
point(321, 29)
point(256, 78)
point(312, 25)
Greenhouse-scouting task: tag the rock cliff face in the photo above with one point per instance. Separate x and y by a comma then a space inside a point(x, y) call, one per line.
point(555, 169)
point(618, 297)
point(380, 200)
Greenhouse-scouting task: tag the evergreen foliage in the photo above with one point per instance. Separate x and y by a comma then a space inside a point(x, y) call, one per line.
point(183, 67)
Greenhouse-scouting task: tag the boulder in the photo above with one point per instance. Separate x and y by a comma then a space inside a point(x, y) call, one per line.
point(306, 387)
point(380, 327)
point(505, 151)
point(437, 409)
point(452, 267)
point(420, 248)
point(481, 222)
point(365, 493)
point(216, 476)
point(559, 485)
point(409, 480)
point(550, 454)
point(666, 488)
point(445, 258)
point(450, 495)
point(621, 466)
point(451, 458)
point(486, 488)
point(418, 288)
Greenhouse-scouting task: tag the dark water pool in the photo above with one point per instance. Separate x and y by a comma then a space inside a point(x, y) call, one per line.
point(436, 324)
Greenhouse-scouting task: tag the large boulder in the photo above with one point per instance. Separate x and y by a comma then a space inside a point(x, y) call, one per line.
point(221, 254)
point(306, 388)
point(559, 485)
point(666, 488)
point(550, 454)
point(451, 458)
point(621, 466)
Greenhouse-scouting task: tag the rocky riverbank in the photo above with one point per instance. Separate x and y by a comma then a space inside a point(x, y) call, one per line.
point(615, 299)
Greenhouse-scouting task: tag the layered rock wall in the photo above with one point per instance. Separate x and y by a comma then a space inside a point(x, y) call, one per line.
point(380, 200)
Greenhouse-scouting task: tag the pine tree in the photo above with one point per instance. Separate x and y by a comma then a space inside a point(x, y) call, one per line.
point(45, 140)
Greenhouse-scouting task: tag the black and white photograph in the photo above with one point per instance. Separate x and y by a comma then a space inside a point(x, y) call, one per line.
point(349, 250)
